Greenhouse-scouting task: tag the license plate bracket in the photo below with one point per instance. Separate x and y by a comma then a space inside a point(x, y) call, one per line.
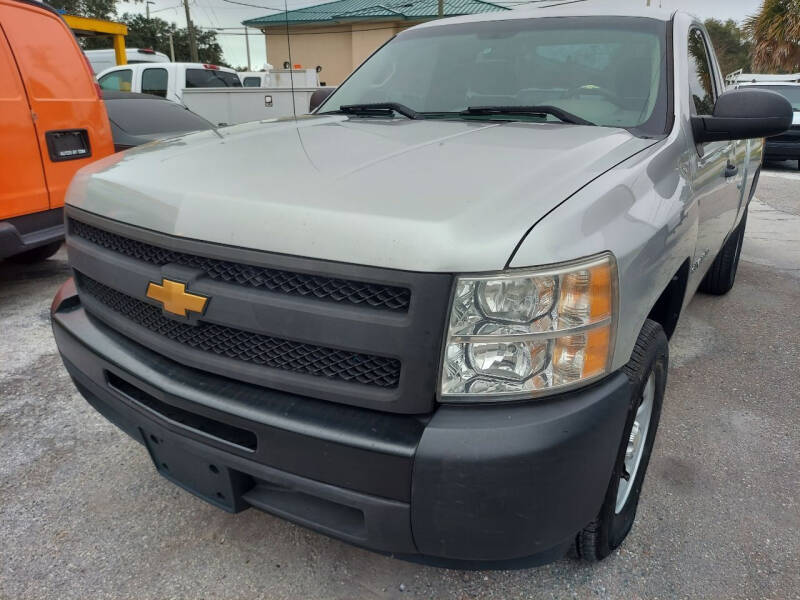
point(206, 479)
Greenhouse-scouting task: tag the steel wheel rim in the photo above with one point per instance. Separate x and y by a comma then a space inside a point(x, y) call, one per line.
point(636, 443)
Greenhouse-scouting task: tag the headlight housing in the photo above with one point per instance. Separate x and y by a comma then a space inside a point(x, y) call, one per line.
point(529, 333)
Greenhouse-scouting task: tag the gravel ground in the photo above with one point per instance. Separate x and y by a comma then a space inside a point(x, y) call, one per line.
point(84, 515)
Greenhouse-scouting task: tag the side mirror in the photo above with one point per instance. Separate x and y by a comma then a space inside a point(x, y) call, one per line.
point(318, 97)
point(744, 114)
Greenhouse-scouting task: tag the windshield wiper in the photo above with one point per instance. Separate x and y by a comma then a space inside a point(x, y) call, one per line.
point(543, 111)
point(379, 109)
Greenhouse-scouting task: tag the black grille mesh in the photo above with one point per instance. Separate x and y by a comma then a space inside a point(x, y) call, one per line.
point(250, 347)
point(275, 280)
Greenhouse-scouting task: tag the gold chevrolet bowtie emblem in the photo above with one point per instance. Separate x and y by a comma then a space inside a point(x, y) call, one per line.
point(175, 298)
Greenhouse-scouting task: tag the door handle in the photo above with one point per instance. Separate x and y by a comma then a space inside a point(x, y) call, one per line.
point(731, 170)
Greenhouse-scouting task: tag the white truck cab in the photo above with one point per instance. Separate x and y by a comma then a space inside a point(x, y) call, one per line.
point(167, 80)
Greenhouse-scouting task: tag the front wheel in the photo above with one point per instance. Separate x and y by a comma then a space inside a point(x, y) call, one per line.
point(647, 372)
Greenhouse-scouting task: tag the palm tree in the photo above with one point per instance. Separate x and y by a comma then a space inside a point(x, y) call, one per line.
point(775, 31)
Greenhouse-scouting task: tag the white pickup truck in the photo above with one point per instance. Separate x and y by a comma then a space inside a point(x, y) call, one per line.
point(168, 80)
point(450, 340)
point(216, 93)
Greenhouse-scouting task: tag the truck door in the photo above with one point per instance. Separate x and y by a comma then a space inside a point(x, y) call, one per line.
point(22, 189)
point(70, 118)
point(155, 80)
point(715, 169)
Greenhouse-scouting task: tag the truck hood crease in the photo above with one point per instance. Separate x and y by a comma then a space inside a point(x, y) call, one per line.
point(429, 195)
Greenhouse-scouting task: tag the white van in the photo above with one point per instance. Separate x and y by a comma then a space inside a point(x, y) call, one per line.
point(167, 80)
point(104, 59)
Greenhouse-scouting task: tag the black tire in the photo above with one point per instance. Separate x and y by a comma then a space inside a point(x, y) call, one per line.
point(722, 275)
point(37, 254)
point(603, 535)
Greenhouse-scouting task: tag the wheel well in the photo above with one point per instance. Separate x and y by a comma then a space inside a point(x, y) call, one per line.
point(667, 308)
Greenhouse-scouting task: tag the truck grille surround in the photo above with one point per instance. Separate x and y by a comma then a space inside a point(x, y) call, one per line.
point(351, 334)
point(324, 288)
point(250, 347)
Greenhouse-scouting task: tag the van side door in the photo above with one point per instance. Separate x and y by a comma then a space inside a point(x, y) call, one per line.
point(23, 189)
point(713, 166)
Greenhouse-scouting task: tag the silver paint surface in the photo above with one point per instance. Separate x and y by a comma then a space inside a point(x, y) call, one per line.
point(449, 195)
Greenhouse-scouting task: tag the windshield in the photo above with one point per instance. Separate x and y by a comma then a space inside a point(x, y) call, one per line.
point(610, 72)
point(205, 78)
point(790, 92)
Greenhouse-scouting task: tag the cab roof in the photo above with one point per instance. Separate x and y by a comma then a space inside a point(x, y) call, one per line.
point(564, 8)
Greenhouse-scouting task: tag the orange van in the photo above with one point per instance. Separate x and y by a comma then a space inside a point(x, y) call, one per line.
point(52, 123)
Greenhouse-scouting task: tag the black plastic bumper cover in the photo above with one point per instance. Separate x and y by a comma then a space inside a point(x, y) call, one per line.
point(468, 483)
point(20, 234)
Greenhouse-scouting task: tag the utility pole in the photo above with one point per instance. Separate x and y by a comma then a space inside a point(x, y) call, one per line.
point(192, 40)
point(171, 49)
point(441, 8)
point(147, 8)
point(247, 43)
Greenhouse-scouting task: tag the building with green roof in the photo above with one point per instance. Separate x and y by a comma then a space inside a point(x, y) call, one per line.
point(337, 36)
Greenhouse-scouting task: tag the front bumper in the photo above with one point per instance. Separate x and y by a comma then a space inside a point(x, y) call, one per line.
point(466, 483)
point(20, 234)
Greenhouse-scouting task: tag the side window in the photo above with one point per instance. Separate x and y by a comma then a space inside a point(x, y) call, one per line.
point(119, 81)
point(701, 78)
point(154, 81)
point(252, 82)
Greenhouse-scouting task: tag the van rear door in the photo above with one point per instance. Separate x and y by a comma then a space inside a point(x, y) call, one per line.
point(70, 119)
point(23, 189)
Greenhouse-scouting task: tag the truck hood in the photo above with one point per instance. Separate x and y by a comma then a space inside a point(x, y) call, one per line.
point(417, 195)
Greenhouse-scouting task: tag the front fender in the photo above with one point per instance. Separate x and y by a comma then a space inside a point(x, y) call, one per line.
point(642, 211)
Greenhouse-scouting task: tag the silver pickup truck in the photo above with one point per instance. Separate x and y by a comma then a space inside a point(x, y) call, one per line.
point(430, 319)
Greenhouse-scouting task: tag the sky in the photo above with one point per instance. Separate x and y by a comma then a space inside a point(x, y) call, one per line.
point(222, 14)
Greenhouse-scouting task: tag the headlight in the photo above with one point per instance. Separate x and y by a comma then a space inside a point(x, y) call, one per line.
point(530, 333)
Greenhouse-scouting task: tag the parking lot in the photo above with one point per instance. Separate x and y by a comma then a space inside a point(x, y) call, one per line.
point(83, 514)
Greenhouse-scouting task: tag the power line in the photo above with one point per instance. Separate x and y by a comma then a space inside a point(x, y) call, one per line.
point(167, 8)
point(253, 5)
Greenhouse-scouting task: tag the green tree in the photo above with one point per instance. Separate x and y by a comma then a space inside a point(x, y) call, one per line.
point(775, 31)
point(154, 33)
point(730, 44)
point(96, 9)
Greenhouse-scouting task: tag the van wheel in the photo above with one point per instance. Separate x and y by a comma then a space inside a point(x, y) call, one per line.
point(647, 372)
point(37, 254)
point(721, 276)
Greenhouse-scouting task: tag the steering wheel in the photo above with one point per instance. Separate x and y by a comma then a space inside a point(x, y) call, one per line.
point(591, 89)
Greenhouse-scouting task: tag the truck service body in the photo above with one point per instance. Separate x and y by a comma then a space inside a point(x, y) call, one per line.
point(451, 341)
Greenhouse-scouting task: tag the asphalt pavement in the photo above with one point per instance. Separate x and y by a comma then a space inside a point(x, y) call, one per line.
point(83, 514)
